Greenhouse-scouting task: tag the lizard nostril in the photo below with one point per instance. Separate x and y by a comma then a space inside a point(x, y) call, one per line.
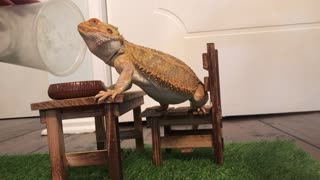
point(94, 21)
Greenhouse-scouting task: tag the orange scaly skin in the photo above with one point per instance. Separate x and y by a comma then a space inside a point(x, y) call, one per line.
point(163, 77)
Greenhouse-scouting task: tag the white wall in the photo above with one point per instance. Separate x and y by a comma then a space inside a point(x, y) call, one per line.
point(19, 87)
point(268, 50)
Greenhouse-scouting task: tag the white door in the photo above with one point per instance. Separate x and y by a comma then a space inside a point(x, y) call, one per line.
point(268, 50)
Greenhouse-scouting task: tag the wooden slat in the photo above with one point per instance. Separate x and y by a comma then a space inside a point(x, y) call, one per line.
point(156, 152)
point(100, 132)
point(173, 112)
point(128, 134)
point(87, 158)
point(84, 101)
point(82, 111)
point(205, 61)
point(180, 111)
point(185, 120)
point(56, 144)
point(214, 95)
point(206, 84)
point(138, 129)
point(113, 143)
point(189, 132)
point(218, 83)
point(151, 112)
point(128, 106)
point(188, 141)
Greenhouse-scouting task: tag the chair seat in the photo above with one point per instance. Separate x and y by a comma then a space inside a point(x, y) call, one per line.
point(177, 116)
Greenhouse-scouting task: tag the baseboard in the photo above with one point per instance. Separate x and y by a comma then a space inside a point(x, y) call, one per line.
point(84, 125)
point(76, 126)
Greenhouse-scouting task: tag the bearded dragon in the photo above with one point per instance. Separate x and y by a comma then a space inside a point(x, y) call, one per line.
point(161, 76)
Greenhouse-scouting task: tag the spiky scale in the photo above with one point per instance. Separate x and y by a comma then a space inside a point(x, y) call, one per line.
point(167, 70)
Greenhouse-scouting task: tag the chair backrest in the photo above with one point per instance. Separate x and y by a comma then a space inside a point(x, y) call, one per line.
point(212, 83)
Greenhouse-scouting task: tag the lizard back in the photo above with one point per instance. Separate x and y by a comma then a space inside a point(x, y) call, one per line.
point(166, 70)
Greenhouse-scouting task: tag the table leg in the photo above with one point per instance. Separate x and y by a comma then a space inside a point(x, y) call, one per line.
point(113, 143)
point(139, 129)
point(100, 132)
point(56, 144)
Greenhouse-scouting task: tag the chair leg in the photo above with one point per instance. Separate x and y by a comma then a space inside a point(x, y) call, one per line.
point(155, 131)
point(139, 129)
point(218, 140)
point(100, 132)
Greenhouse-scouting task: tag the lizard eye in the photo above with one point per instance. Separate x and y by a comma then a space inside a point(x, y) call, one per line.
point(109, 31)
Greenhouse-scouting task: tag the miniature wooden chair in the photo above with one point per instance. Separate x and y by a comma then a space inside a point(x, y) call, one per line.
point(183, 116)
point(108, 135)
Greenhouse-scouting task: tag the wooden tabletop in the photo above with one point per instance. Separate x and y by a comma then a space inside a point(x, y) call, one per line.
point(53, 104)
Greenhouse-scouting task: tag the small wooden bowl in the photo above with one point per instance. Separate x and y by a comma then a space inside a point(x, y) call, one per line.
point(75, 89)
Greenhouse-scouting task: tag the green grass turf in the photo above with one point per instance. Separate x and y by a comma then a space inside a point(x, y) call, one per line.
point(256, 160)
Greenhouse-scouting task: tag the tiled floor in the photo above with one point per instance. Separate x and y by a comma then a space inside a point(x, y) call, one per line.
point(22, 136)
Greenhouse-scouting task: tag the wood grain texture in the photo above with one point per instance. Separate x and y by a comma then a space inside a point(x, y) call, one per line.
point(206, 84)
point(77, 89)
point(173, 112)
point(189, 132)
point(128, 134)
point(87, 158)
point(205, 61)
point(186, 141)
point(113, 143)
point(138, 129)
point(127, 106)
point(56, 144)
point(183, 120)
point(156, 143)
point(84, 101)
point(100, 132)
point(214, 97)
point(107, 130)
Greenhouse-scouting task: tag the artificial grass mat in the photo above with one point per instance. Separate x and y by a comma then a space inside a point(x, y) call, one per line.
point(255, 160)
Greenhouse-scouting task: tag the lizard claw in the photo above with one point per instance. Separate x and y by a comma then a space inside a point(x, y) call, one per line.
point(102, 95)
point(200, 111)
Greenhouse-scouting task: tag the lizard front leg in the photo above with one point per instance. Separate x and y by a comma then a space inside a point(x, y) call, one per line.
point(123, 83)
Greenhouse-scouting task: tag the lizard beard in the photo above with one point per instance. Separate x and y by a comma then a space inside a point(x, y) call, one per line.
point(107, 50)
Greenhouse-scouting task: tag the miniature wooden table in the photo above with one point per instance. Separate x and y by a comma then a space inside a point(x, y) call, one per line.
point(107, 131)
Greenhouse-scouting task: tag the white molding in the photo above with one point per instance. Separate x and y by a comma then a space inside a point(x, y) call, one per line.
point(76, 126)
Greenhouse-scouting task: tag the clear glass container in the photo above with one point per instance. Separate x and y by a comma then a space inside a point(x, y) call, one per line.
point(42, 35)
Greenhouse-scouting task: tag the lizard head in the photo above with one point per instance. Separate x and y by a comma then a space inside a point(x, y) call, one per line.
point(103, 40)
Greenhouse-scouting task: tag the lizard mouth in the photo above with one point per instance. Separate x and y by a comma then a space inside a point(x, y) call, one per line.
point(82, 28)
